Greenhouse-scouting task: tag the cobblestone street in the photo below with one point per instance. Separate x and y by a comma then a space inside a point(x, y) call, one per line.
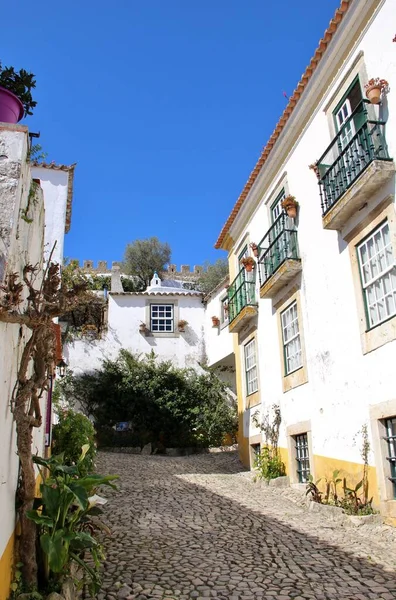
point(199, 527)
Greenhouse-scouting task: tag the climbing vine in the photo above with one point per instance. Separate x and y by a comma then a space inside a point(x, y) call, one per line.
point(33, 301)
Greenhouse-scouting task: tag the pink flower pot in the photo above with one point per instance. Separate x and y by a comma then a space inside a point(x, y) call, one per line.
point(11, 108)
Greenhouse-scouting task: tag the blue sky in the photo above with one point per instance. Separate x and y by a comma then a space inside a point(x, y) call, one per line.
point(164, 104)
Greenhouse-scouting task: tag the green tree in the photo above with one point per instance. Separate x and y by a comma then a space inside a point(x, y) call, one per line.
point(143, 257)
point(165, 405)
point(212, 275)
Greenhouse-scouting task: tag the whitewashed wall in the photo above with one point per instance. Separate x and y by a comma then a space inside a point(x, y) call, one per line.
point(24, 244)
point(218, 340)
point(342, 382)
point(55, 187)
point(126, 312)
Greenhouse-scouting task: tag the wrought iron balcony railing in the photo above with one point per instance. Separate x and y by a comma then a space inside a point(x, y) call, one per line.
point(278, 245)
point(350, 153)
point(241, 293)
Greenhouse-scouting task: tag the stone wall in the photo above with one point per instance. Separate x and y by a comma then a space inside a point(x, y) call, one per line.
point(103, 268)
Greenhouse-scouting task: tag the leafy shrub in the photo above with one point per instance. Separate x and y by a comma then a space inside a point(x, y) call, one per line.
point(67, 517)
point(73, 431)
point(165, 405)
point(269, 464)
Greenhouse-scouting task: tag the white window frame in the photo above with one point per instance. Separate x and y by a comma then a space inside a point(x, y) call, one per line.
point(250, 357)
point(291, 339)
point(168, 309)
point(223, 311)
point(378, 280)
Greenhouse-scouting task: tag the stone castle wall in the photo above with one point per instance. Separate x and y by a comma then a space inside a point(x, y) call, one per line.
point(103, 268)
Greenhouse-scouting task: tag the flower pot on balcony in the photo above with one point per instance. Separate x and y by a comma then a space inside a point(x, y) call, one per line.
point(11, 108)
point(248, 263)
point(374, 89)
point(290, 205)
point(215, 321)
point(142, 328)
point(254, 248)
point(374, 94)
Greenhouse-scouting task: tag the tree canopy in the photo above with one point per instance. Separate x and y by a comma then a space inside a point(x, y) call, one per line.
point(143, 257)
point(212, 275)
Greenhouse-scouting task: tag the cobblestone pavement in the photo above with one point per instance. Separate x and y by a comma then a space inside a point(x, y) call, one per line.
point(199, 527)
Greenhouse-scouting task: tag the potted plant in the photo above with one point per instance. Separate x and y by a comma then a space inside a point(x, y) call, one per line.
point(142, 327)
point(15, 94)
point(315, 168)
point(182, 325)
point(290, 204)
point(254, 248)
point(248, 263)
point(215, 321)
point(374, 88)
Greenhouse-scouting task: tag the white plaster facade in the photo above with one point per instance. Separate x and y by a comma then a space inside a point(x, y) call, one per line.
point(57, 184)
point(32, 218)
point(346, 370)
point(127, 311)
point(22, 243)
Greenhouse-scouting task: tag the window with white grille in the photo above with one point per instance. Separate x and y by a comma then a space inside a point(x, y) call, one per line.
point(161, 317)
point(378, 275)
point(291, 339)
point(302, 457)
point(251, 368)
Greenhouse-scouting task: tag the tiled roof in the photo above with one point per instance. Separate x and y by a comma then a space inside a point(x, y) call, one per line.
point(69, 169)
point(315, 60)
point(170, 292)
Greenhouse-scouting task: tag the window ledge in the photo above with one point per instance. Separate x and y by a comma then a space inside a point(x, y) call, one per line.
point(379, 335)
point(295, 379)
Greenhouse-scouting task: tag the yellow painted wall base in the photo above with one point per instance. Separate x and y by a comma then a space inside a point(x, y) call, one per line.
point(6, 568)
point(324, 466)
point(353, 472)
point(243, 443)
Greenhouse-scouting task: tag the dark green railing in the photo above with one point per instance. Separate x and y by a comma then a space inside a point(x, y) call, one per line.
point(342, 163)
point(241, 293)
point(278, 244)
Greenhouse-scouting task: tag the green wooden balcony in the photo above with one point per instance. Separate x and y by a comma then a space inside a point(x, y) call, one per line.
point(279, 260)
point(242, 305)
point(353, 166)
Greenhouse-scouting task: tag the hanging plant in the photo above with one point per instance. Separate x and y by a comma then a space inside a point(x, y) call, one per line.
point(375, 88)
point(248, 263)
point(182, 325)
point(290, 205)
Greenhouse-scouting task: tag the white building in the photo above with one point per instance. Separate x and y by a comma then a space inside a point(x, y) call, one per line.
point(315, 321)
point(166, 319)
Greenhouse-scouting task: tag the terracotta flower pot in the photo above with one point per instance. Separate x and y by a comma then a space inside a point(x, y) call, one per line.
point(291, 211)
point(249, 268)
point(215, 321)
point(373, 93)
